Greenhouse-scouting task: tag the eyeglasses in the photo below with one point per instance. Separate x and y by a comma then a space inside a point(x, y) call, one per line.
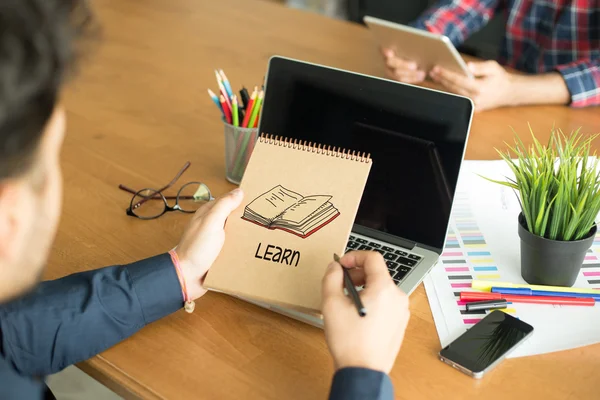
point(151, 203)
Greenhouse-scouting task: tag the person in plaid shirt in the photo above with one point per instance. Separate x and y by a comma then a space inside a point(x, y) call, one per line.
point(555, 42)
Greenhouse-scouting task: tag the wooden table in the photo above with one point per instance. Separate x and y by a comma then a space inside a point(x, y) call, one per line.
point(139, 110)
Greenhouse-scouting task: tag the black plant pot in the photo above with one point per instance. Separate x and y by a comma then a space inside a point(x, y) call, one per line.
point(551, 262)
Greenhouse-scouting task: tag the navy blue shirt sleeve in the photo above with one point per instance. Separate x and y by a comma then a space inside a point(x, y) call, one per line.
point(361, 384)
point(69, 320)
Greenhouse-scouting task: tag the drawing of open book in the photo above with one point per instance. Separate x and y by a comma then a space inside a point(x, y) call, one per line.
point(280, 208)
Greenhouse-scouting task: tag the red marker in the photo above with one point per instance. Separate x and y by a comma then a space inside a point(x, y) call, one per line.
point(566, 301)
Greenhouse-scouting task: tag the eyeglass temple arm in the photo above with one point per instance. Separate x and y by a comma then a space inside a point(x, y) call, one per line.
point(156, 195)
point(181, 171)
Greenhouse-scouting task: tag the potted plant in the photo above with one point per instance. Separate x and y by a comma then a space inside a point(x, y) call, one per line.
point(559, 192)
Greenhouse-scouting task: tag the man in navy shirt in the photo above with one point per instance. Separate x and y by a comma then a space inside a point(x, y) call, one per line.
point(44, 327)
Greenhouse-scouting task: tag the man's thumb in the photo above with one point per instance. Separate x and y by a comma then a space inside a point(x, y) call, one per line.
point(226, 204)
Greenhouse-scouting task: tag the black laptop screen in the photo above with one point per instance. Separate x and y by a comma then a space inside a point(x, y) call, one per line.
point(416, 139)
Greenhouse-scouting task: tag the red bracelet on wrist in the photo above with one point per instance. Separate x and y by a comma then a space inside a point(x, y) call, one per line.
point(189, 304)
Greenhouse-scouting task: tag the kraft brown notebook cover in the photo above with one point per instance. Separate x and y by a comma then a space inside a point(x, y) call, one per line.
point(300, 202)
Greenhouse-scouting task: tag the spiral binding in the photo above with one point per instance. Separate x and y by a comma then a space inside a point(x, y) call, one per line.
point(315, 148)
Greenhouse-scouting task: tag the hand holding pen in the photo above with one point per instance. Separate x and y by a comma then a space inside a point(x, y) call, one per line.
point(372, 341)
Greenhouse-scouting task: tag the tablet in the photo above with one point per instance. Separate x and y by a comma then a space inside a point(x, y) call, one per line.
point(425, 48)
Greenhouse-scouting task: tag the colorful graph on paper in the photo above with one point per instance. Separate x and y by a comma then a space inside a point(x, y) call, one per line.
point(466, 257)
point(483, 243)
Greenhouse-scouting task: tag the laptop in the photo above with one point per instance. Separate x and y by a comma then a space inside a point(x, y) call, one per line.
point(416, 137)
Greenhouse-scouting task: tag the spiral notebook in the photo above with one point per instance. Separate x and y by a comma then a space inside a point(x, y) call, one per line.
point(300, 202)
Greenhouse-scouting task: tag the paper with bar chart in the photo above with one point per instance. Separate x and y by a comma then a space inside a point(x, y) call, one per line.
point(483, 244)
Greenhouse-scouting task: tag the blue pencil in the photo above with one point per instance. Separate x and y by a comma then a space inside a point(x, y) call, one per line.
point(226, 83)
point(530, 292)
point(215, 100)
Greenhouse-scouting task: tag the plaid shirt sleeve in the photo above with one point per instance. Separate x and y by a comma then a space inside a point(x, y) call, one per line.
point(457, 19)
point(583, 80)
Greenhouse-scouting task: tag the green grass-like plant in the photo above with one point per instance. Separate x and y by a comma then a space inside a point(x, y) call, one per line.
point(558, 185)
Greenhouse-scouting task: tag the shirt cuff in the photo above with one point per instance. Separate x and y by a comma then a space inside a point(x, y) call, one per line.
point(581, 84)
point(157, 286)
point(419, 24)
point(361, 383)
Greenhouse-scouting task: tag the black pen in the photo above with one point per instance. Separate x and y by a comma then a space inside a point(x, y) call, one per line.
point(362, 311)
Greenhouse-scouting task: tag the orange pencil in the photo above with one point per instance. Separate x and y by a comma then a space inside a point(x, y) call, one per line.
point(249, 108)
point(257, 118)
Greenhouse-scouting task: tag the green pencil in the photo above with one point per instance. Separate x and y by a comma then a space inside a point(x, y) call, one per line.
point(256, 109)
point(236, 120)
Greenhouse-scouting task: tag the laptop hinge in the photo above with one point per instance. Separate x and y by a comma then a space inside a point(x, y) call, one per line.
point(375, 234)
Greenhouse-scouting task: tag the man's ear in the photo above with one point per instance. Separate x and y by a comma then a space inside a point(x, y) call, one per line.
point(11, 226)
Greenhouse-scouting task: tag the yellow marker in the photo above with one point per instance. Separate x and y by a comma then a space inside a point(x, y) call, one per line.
point(508, 310)
point(488, 285)
point(475, 245)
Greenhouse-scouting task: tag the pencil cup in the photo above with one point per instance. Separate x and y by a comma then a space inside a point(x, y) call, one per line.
point(239, 143)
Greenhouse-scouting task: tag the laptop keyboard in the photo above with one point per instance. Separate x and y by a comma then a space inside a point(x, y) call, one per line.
point(399, 262)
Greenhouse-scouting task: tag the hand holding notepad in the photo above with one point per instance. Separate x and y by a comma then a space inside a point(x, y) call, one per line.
point(300, 204)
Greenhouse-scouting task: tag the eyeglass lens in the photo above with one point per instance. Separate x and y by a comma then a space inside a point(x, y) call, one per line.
point(148, 203)
point(192, 196)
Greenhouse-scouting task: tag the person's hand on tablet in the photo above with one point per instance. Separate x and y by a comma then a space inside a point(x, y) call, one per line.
point(491, 88)
point(372, 341)
point(402, 70)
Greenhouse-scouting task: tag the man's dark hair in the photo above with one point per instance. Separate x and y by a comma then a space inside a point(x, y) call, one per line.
point(39, 44)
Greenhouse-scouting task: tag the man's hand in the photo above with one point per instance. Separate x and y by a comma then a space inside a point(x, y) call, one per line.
point(203, 239)
point(491, 88)
point(400, 69)
point(372, 341)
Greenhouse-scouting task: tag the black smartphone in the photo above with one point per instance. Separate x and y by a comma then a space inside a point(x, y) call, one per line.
point(484, 345)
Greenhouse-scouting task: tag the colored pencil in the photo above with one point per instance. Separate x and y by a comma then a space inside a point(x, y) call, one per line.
point(239, 144)
point(226, 83)
point(255, 109)
point(222, 89)
point(225, 95)
point(236, 121)
point(215, 99)
point(257, 119)
point(241, 111)
point(488, 285)
point(529, 292)
point(226, 110)
point(575, 301)
point(249, 109)
point(243, 151)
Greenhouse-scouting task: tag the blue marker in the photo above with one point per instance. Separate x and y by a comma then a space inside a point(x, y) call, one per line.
point(530, 292)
